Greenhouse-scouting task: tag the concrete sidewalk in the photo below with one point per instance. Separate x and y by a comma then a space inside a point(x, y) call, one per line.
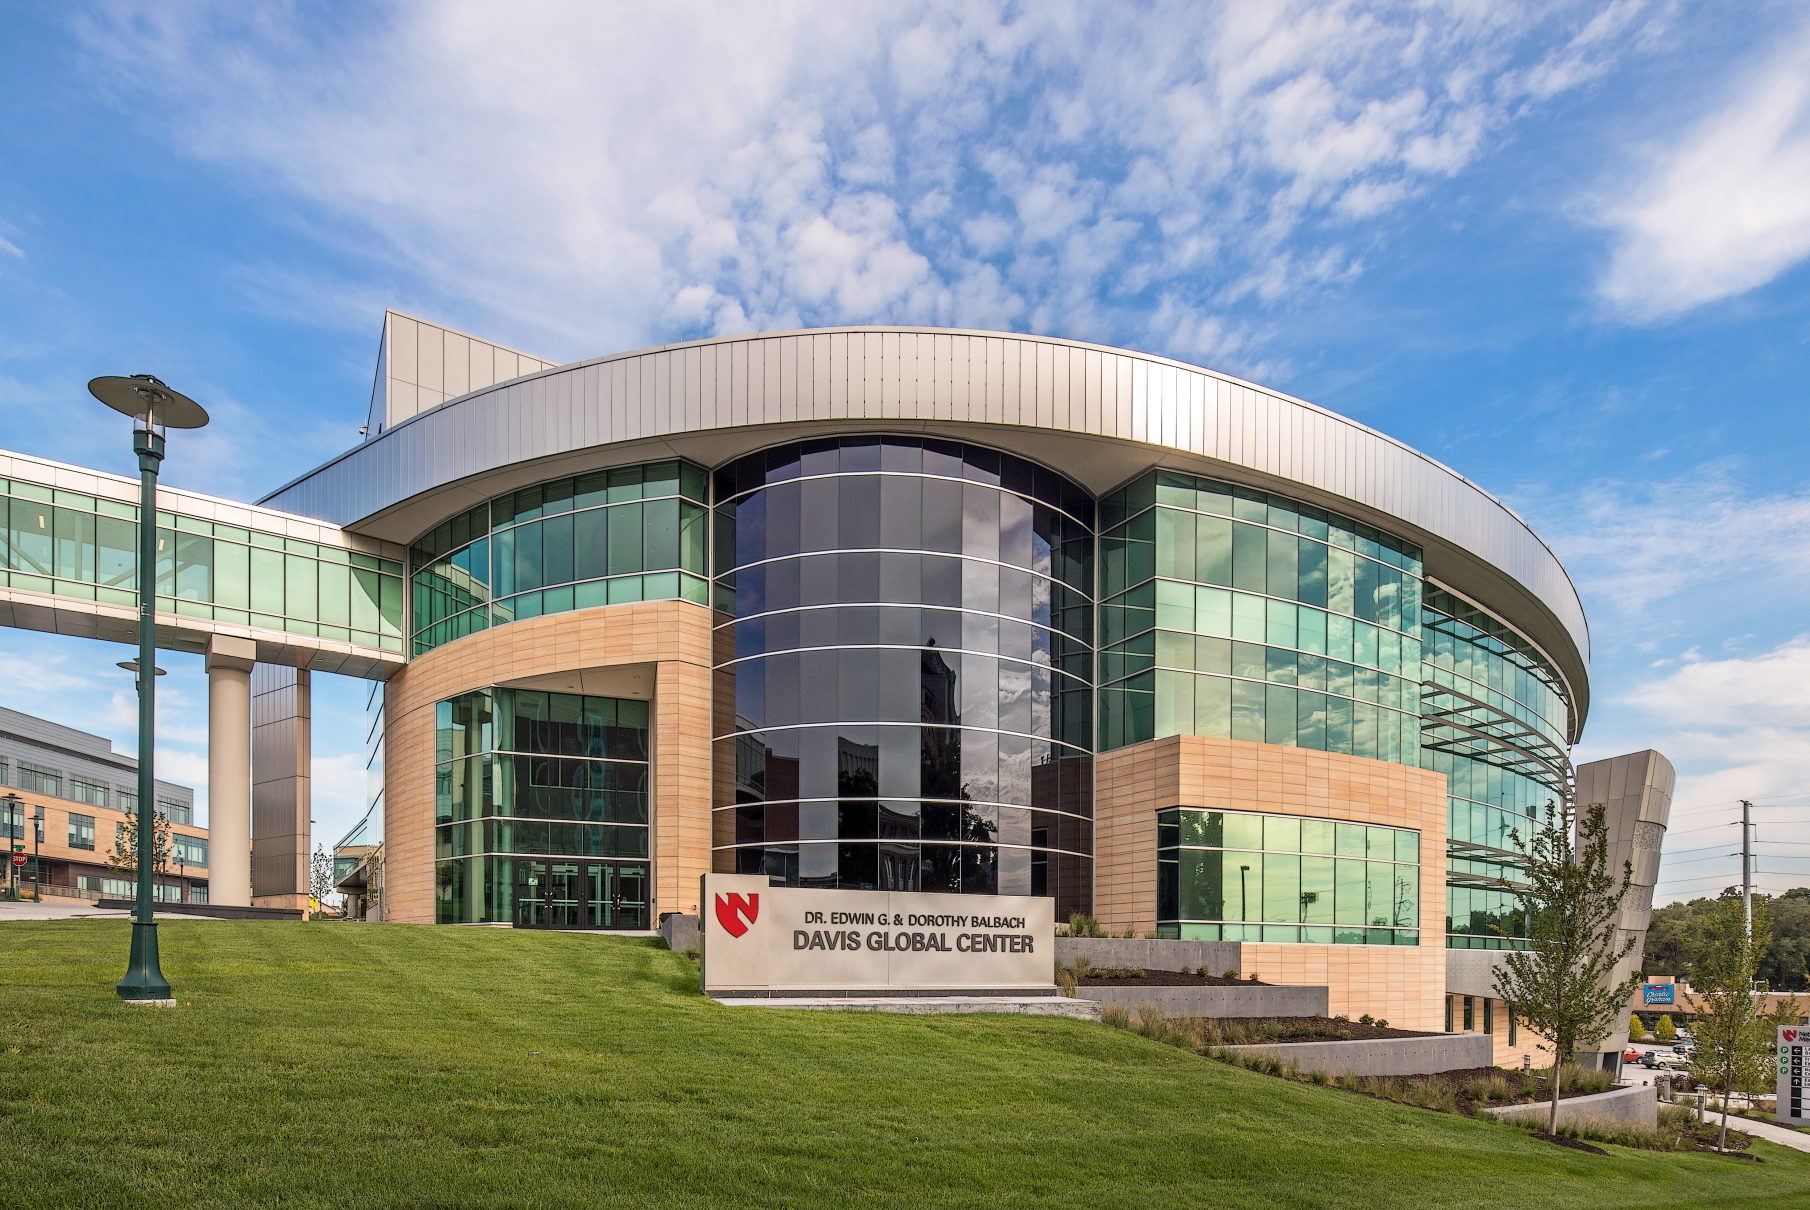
point(1784, 1136)
point(76, 911)
point(24, 910)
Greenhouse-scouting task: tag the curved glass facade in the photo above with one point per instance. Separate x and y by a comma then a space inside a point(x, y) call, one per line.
point(1227, 611)
point(1496, 720)
point(912, 669)
point(523, 778)
point(635, 533)
point(1244, 876)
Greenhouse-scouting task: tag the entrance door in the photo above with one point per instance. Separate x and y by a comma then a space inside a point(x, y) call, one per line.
point(580, 894)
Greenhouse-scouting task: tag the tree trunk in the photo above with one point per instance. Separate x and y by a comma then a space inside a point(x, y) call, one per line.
point(1552, 1121)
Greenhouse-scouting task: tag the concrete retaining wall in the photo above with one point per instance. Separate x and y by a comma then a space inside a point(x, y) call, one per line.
point(1381, 1056)
point(1151, 954)
point(1259, 1001)
point(1636, 1105)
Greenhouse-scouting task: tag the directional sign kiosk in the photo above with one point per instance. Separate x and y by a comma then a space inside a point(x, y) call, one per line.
point(1793, 1041)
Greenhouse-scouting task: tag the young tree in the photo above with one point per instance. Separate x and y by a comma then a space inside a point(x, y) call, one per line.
point(1666, 1030)
point(320, 874)
point(1636, 1030)
point(1734, 1034)
point(124, 858)
point(1560, 985)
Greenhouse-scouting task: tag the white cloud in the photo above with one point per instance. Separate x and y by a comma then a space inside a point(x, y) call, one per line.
point(577, 178)
point(1735, 728)
point(1704, 536)
point(1724, 209)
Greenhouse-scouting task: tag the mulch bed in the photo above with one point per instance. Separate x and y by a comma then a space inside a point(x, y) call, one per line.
point(1138, 977)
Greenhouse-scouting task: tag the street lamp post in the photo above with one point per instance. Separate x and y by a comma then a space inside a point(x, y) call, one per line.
point(15, 810)
point(37, 862)
point(153, 408)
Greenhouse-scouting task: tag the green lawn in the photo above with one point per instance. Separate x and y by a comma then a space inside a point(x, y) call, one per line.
point(369, 1065)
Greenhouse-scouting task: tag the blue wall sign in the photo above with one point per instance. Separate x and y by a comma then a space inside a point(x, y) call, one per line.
point(1656, 993)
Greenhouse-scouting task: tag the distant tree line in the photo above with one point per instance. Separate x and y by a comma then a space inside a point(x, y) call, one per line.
point(1784, 964)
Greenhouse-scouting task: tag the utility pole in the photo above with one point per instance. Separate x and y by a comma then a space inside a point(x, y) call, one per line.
point(1747, 868)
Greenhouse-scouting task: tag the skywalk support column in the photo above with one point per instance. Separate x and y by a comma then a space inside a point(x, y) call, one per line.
point(280, 787)
point(229, 664)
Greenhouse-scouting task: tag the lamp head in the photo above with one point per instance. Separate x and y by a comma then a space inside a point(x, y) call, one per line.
point(147, 400)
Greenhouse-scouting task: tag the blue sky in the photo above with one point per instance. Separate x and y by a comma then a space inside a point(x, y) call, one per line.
point(1558, 246)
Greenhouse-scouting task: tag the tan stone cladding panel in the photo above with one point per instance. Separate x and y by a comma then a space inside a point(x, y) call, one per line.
point(1403, 983)
point(673, 638)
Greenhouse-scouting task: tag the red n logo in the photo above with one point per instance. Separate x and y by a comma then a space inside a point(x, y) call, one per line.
point(1791, 1035)
point(736, 912)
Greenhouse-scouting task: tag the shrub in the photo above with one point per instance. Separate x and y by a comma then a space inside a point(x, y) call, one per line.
point(1635, 1028)
point(1366, 1019)
point(1223, 974)
point(1082, 925)
point(1667, 1029)
point(1270, 1030)
point(1116, 1016)
point(1489, 1090)
point(1382, 1023)
point(1588, 1079)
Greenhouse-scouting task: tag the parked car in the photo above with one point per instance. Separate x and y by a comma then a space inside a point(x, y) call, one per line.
point(1631, 1055)
point(1650, 1061)
point(1684, 1048)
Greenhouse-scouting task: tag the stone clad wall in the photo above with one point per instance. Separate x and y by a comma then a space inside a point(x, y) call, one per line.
point(1402, 983)
point(666, 644)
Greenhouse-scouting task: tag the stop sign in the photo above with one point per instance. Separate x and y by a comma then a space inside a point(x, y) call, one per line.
point(19, 859)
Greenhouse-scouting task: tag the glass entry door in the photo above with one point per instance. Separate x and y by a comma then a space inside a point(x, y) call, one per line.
point(556, 894)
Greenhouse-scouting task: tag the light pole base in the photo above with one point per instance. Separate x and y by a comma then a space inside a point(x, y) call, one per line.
point(144, 979)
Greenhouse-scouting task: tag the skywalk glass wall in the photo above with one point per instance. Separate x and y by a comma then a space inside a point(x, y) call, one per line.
point(1227, 611)
point(912, 668)
point(635, 533)
point(541, 810)
point(85, 547)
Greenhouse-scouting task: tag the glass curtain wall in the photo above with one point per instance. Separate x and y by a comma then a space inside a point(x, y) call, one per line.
point(1227, 611)
point(1497, 716)
point(76, 545)
point(1243, 876)
point(523, 777)
point(635, 533)
point(912, 669)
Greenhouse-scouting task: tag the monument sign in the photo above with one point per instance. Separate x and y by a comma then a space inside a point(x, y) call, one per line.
point(762, 939)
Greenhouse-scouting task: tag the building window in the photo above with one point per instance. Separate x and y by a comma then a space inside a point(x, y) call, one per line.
point(91, 792)
point(167, 893)
point(635, 533)
point(175, 812)
point(81, 831)
point(1243, 876)
point(188, 850)
point(39, 780)
point(125, 800)
point(1489, 1016)
point(1511, 1023)
point(12, 821)
point(1470, 1014)
point(197, 893)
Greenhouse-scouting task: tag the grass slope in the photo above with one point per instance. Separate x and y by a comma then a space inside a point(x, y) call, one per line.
point(368, 1066)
